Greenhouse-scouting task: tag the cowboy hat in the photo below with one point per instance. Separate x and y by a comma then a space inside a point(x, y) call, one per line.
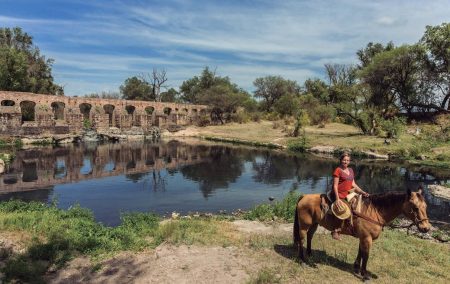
point(341, 211)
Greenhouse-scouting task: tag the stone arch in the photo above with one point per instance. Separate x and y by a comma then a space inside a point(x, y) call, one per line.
point(149, 110)
point(130, 109)
point(58, 110)
point(85, 110)
point(185, 110)
point(203, 112)
point(8, 103)
point(28, 110)
point(194, 111)
point(109, 110)
point(167, 110)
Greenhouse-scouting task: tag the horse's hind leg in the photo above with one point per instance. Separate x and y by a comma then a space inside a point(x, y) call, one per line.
point(303, 231)
point(310, 235)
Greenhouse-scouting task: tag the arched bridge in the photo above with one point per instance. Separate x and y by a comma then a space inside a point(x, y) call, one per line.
point(34, 114)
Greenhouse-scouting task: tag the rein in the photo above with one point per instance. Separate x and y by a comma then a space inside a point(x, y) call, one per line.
point(362, 216)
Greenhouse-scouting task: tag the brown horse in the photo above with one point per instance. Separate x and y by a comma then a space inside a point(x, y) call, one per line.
point(376, 211)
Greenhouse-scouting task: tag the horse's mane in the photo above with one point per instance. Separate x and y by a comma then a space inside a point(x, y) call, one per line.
point(388, 199)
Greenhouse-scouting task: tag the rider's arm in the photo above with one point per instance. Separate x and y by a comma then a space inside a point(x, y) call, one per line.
point(359, 190)
point(335, 187)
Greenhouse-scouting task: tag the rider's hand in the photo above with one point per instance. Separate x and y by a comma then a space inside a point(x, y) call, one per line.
point(365, 194)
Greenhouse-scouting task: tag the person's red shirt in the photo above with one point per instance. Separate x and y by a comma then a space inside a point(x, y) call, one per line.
point(345, 181)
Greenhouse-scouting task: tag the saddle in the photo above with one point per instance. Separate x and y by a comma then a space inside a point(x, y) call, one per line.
point(353, 199)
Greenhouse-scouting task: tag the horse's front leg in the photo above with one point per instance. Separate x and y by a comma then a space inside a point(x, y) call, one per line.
point(365, 244)
point(357, 263)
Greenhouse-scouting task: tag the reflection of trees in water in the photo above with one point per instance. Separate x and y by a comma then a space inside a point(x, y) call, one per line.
point(272, 168)
point(379, 178)
point(41, 195)
point(223, 167)
point(156, 180)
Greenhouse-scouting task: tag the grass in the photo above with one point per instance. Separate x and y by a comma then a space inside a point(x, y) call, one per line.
point(435, 150)
point(55, 236)
point(283, 209)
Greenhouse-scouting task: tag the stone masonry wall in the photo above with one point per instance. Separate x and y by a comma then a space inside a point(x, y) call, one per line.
point(64, 115)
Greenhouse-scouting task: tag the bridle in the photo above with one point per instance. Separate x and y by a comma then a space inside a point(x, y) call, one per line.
point(416, 220)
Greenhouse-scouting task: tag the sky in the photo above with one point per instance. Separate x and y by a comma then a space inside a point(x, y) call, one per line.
point(97, 45)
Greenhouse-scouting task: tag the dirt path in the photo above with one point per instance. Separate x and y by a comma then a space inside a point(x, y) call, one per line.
point(174, 264)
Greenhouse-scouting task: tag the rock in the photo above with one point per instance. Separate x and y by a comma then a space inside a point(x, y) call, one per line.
point(323, 149)
point(374, 155)
point(271, 198)
point(439, 191)
point(90, 135)
point(2, 166)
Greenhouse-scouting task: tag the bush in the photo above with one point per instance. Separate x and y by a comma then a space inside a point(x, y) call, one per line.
point(272, 116)
point(240, 117)
point(393, 127)
point(255, 116)
point(87, 124)
point(322, 115)
point(203, 121)
point(283, 209)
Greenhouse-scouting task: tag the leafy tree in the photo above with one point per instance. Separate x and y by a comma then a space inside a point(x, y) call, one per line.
point(219, 93)
point(22, 67)
point(170, 95)
point(436, 42)
point(318, 89)
point(366, 54)
point(272, 88)
point(287, 105)
point(397, 76)
point(136, 89)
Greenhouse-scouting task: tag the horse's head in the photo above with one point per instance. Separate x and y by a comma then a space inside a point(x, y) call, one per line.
point(415, 208)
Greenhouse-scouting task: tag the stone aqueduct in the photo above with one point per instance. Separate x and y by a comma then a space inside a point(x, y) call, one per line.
point(37, 114)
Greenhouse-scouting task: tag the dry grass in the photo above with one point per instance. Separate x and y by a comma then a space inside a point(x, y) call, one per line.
point(333, 134)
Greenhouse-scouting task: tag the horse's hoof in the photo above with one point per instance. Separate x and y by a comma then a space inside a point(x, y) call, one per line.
point(356, 271)
point(366, 278)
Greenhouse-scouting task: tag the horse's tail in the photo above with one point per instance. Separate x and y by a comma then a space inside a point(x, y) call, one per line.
point(296, 232)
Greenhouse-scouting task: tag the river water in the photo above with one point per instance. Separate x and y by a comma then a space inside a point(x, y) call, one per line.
point(190, 176)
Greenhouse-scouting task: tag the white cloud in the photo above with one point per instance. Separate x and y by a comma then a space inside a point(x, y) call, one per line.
point(289, 38)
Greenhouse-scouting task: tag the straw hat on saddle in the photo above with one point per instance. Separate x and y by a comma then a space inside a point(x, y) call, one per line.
point(341, 210)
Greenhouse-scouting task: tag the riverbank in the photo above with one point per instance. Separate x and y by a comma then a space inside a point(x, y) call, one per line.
point(40, 242)
point(331, 139)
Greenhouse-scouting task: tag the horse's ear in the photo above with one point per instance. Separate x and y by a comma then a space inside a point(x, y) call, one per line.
point(420, 190)
point(409, 192)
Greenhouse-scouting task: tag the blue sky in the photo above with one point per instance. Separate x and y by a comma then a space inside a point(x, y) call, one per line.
point(96, 45)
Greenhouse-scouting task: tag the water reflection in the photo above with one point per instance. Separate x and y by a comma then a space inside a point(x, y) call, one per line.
point(194, 176)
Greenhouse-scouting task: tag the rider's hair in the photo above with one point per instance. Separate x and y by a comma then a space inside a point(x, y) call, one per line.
point(345, 154)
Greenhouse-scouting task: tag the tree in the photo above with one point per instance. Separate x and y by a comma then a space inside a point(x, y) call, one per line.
point(136, 89)
point(169, 96)
point(366, 54)
point(436, 42)
point(318, 89)
point(287, 105)
point(22, 67)
point(218, 92)
point(397, 76)
point(157, 80)
point(272, 88)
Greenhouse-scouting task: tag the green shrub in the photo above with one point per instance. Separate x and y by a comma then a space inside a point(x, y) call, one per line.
point(283, 209)
point(393, 127)
point(321, 115)
point(87, 124)
point(240, 117)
